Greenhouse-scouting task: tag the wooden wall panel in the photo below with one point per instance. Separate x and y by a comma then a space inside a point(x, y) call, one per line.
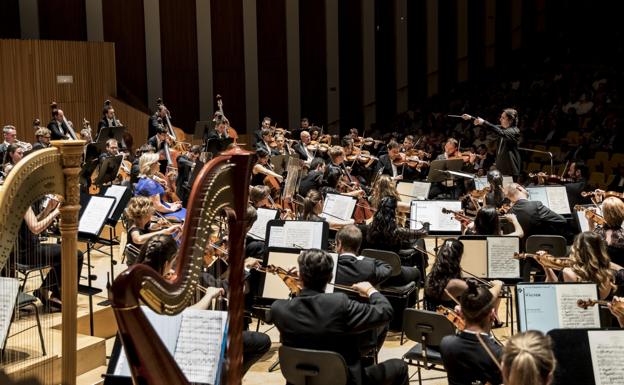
point(10, 26)
point(124, 26)
point(313, 60)
point(447, 51)
point(28, 70)
point(178, 43)
point(476, 36)
point(62, 19)
point(228, 59)
point(385, 68)
point(272, 64)
point(351, 68)
point(417, 51)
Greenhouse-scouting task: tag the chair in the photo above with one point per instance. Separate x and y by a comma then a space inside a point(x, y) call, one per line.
point(405, 295)
point(427, 329)
point(312, 367)
point(22, 301)
point(27, 269)
point(617, 158)
point(602, 156)
point(554, 245)
point(596, 179)
point(592, 165)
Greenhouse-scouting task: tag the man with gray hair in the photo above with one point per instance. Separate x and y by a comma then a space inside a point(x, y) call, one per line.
point(9, 133)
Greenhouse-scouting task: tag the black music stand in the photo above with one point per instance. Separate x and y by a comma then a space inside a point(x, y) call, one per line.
point(280, 163)
point(438, 167)
point(109, 168)
point(202, 128)
point(216, 145)
point(107, 133)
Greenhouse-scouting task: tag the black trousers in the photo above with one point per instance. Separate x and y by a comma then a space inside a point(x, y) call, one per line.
point(390, 372)
point(50, 253)
point(255, 344)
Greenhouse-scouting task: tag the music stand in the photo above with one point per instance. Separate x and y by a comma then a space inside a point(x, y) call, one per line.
point(279, 162)
point(107, 133)
point(216, 145)
point(202, 128)
point(438, 167)
point(109, 170)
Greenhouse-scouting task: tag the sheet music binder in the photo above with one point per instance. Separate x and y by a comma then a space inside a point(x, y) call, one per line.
point(282, 223)
point(109, 168)
point(485, 257)
point(107, 133)
point(97, 210)
point(122, 195)
point(9, 287)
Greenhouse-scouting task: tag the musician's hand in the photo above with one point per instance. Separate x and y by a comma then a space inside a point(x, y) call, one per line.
point(365, 289)
point(511, 217)
point(466, 117)
point(279, 178)
point(175, 206)
point(617, 309)
point(478, 121)
point(252, 263)
point(172, 229)
point(294, 270)
point(398, 177)
point(497, 282)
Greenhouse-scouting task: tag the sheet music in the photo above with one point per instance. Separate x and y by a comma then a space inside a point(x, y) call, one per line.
point(200, 345)
point(558, 199)
point(501, 263)
point(258, 230)
point(339, 207)
point(95, 214)
point(476, 263)
point(482, 182)
point(607, 354)
point(297, 234)
point(116, 192)
point(8, 290)
point(570, 315)
point(538, 194)
point(420, 190)
point(431, 211)
point(537, 307)
point(406, 191)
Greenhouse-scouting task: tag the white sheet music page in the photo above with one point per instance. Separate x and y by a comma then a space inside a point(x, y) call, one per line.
point(95, 214)
point(338, 207)
point(431, 211)
point(258, 230)
point(277, 237)
point(116, 192)
point(558, 199)
point(501, 263)
point(607, 355)
point(570, 315)
point(303, 235)
point(420, 190)
point(8, 288)
point(201, 344)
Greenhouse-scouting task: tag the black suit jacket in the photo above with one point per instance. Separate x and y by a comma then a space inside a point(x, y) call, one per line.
point(535, 218)
point(298, 147)
point(385, 165)
point(153, 141)
point(322, 321)
point(352, 269)
point(507, 155)
point(58, 133)
point(466, 361)
point(152, 126)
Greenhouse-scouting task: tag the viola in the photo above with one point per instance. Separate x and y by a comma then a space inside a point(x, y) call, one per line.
point(591, 215)
point(450, 315)
point(547, 260)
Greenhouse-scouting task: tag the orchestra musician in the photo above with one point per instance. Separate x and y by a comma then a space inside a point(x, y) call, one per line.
point(312, 206)
point(611, 231)
point(10, 136)
point(186, 165)
point(465, 359)
point(265, 124)
point(159, 253)
point(266, 137)
point(263, 169)
point(336, 319)
point(302, 148)
point(445, 279)
point(155, 121)
point(42, 136)
point(151, 186)
point(383, 187)
point(313, 180)
point(590, 263)
point(218, 136)
point(487, 222)
point(112, 149)
point(337, 178)
point(281, 147)
point(139, 214)
point(108, 118)
point(508, 159)
point(528, 359)
point(57, 125)
point(14, 154)
point(259, 196)
point(386, 162)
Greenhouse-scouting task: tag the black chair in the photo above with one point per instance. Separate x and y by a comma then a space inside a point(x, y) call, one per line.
point(312, 367)
point(23, 300)
point(554, 245)
point(427, 329)
point(26, 270)
point(400, 297)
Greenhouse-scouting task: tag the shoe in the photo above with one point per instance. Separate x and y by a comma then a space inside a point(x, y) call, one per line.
point(48, 304)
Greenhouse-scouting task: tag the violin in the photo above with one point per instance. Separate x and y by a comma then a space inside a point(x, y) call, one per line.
point(547, 260)
point(552, 179)
point(602, 194)
point(585, 303)
point(458, 216)
point(591, 215)
point(450, 315)
point(293, 281)
point(409, 161)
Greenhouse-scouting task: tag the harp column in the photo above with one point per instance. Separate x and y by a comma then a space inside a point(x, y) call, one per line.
point(71, 158)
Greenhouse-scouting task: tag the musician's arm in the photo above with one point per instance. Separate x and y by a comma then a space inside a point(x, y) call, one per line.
point(35, 225)
point(260, 169)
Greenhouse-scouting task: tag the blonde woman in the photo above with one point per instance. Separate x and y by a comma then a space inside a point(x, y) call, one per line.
point(151, 186)
point(612, 231)
point(528, 359)
point(139, 214)
point(591, 263)
point(383, 187)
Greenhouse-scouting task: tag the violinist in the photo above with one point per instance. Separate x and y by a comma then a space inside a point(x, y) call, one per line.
point(140, 227)
point(112, 149)
point(42, 136)
point(576, 182)
point(483, 160)
point(313, 206)
point(386, 162)
point(302, 149)
point(159, 253)
point(496, 196)
point(263, 169)
point(590, 263)
point(153, 186)
point(487, 222)
point(528, 359)
point(465, 359)
point(265, 124)
point(361, 162)
point(281, 147)
point(612, 231)
point(314, 178)
point(337, 177)
point(383, 187)
point(445, 276)
point(329, 321)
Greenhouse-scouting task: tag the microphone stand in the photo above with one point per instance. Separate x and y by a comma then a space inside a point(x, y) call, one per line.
point(552, 168)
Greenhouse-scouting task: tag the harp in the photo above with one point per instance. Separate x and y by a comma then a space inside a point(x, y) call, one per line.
point(52, 170)
point(220, 187)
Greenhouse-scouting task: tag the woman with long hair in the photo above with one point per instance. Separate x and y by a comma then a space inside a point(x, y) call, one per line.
point(612, 231)
point(528, 359)
point(312, 206)
point(590, 263)
point(487, 222)
point(383, 187)
point(445, 276)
